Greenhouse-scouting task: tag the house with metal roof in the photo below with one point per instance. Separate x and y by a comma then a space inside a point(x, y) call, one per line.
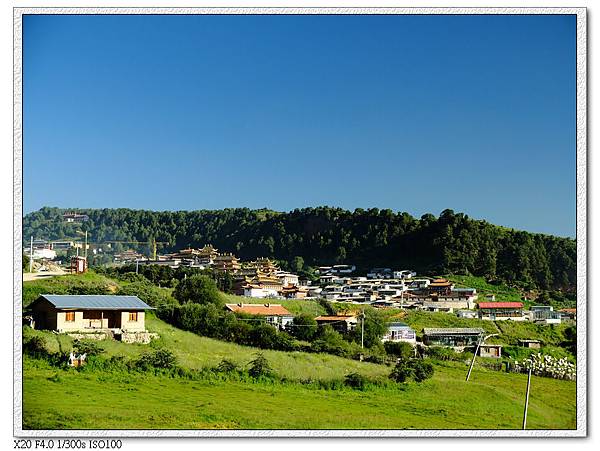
point(456, 337)
point(501, 311)
point(399, 331)
point(89, 313)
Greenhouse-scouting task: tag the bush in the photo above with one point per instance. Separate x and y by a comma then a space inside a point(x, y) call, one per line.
point(150, 294)
point(304, 327)
point(416, 369)
point(260, 367)
point(226, 366)
point(35, 345)
point(402, 371)
point(399, 349)
point(441, 353)
point(132, 277)
point(161, 359)
point(355, 380)
point(330, 341)
point(422, 370)
point(88, 347)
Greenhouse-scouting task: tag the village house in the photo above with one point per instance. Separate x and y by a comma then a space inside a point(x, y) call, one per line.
point(471, 314)
point(274, 314)
point(490, 350)
point(532, 344)
point(114, 315)
point(399, 331)
point(293, 292)
point(341, 323)
point(544, 314)
point(455, 337)
point(251, 290)
point(287, 278)
point(501, 311)
point(74, 217)
point(336, 270)
point(380, 273)
point(568, 314)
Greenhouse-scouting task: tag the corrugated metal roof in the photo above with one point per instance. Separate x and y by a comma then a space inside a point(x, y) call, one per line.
point(452, 330)
point(398, 324)
point(106, 302)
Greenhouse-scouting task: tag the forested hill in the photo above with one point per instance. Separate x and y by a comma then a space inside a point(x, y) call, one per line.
point(450, 243)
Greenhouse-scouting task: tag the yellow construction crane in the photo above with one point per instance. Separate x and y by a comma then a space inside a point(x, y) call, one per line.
point(153, 243)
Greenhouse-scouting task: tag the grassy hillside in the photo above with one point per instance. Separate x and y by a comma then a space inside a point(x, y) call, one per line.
point(503, 293)
point(196, 352)
point(88, 283)
point(67, 399)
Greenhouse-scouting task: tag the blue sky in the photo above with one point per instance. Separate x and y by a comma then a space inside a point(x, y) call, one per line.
point(411, 113)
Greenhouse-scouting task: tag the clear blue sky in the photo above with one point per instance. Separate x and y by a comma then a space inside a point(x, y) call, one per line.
point(411, 113)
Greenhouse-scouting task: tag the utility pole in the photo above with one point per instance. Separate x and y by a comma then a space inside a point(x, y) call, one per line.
point(479, 343)
point(137, 264)
point(85, 248)
point(526, 399)
point(31, 255)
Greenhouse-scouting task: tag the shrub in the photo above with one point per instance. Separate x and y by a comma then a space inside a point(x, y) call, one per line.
point(422, 370)
point(330, 341)
point(441, 353)
point(402, 371)
point(263, 336)
point(133, 277)
point(35, 345)
point(161, 358)
point(226, 366)
point(304, 327)
point(355, 380)
point(416, 369)
point(151, 294)
point(88, 347)
point(399, 349)
point(260, 367)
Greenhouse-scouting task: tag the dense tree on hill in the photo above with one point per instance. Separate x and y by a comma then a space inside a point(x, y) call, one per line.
point(198, 289)
point(309, 237)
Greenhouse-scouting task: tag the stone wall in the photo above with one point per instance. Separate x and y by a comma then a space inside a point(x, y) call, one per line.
point(91, 336)
point(143, 337)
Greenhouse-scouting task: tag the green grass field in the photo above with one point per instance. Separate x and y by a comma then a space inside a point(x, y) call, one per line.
point(196, 352)
point(54, 398)
point(68, 399)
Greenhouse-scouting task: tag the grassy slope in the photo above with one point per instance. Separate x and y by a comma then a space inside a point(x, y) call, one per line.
point(194, 351)
point(502, 292)
point(60, 285)
point(491, 400)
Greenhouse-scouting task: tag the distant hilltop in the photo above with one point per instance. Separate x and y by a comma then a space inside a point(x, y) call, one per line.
point(449, 243)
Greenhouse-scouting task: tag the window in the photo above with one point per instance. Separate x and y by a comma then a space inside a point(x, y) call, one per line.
point(133, 316)
point(69, 316)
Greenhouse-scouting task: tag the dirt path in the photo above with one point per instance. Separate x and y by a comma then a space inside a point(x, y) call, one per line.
point(28, 276)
